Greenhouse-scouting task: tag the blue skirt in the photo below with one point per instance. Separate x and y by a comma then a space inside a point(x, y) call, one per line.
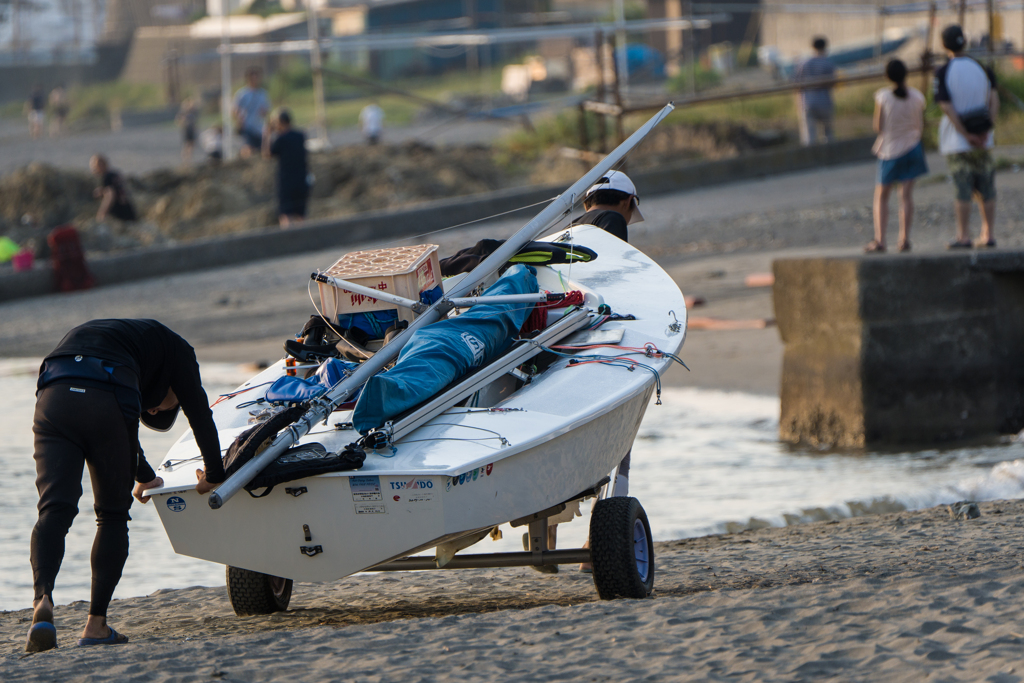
point(907, 167)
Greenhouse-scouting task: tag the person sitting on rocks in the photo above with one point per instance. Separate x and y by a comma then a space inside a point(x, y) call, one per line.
point(112, 191)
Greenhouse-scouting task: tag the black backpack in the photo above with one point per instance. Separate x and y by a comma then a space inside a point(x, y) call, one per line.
point(301, 461)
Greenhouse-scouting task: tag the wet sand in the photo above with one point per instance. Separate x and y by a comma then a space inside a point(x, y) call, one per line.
point(883, 598)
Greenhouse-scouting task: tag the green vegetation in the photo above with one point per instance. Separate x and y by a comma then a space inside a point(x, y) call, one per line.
point(264, 8)
point(522, 148)
point(11, 110)
point(95, 102)
point(705, 79)
point(292, 87)
point(631, 11)
point(1010, 129)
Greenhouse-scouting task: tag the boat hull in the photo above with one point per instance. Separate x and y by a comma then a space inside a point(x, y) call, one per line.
point(347, 522)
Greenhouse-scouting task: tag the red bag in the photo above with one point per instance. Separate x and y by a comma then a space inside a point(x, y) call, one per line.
point(69, 270)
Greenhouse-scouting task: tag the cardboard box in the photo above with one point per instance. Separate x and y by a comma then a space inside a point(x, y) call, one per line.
point(403, 271)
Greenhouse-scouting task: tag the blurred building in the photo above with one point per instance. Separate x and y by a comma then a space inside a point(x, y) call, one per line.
point(743, 26)
point(186, 54)
point(854, 22)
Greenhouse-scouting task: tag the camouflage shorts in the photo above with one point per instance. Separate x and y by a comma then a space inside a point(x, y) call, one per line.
point(973, 172)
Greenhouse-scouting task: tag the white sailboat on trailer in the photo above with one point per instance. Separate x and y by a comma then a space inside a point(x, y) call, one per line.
point(525, 452)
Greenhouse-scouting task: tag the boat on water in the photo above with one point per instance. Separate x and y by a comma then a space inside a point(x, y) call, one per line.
point(523, 439)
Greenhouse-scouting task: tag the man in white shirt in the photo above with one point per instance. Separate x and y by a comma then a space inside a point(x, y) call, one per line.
point(966, 93)
point(371, 118)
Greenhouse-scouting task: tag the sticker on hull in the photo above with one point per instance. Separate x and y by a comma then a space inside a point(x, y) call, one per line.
point(365, 489)
point(419, 497)
point(369, 509)
point(469, 477)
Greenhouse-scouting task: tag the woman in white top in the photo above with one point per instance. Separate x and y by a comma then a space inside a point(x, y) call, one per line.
point(899, 120)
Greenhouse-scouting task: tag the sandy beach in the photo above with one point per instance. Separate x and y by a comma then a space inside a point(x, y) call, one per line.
point(880, 598)
point(885, 598)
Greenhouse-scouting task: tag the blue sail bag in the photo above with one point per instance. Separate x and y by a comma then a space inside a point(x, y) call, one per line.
point(440, 353)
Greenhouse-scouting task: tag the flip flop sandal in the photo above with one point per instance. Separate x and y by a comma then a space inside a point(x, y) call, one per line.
point(874, 247)
point(114, 638)
point(42, 636)
point(991, 244)
point(957, 244)
point(904, 246)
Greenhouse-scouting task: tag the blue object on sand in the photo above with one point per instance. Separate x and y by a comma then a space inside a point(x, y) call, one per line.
point(42, 636)
point(114, 638)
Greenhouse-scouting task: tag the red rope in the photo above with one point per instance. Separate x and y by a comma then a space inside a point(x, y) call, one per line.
point(538, 318)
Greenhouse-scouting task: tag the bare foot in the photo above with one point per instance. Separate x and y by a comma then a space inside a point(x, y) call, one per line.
point(96, 627)
point(43, 610)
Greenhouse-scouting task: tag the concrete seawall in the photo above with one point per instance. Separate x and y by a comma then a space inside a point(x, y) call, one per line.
point(901, 349)
point(421, 218)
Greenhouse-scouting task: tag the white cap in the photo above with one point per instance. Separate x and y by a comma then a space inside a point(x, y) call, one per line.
point(620, 182)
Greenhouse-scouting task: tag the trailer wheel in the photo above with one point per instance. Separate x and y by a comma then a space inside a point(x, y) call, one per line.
point(621, 549)
point(255, 593)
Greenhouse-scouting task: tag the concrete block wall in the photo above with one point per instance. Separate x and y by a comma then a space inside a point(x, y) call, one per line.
point(901, 349)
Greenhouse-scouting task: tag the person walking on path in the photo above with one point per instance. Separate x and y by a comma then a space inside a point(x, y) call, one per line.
point(36, 110)
point(112, 192)
point(289, 147)
point(188, 116)
point(899, 122)
point(966, 93)
point(371, 119)
point(59, 107)
point(252, 104)
point(815, 105)
point(93, 389)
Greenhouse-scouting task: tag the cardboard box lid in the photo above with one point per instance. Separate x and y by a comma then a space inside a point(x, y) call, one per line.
point(380, 262)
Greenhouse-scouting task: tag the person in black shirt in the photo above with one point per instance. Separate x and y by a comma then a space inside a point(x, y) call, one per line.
point(289, 146)
point(93, 389)
point(112, 191)
point(611, 203)
point(36, 110)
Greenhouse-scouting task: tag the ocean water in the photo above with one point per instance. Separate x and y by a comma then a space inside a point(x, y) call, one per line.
point(704, 462)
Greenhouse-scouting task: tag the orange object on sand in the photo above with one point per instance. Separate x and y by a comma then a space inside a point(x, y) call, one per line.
point(694, 301)
point(759, 280)
point(721, 324)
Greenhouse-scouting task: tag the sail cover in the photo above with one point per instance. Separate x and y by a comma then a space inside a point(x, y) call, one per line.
point(440, 353)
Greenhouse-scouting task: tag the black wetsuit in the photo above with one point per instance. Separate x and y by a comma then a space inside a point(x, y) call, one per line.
point(91, 391)
point(611, 221)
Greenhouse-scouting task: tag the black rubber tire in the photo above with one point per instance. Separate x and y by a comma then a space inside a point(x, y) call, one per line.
point(613, 551)
point(255, 593)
